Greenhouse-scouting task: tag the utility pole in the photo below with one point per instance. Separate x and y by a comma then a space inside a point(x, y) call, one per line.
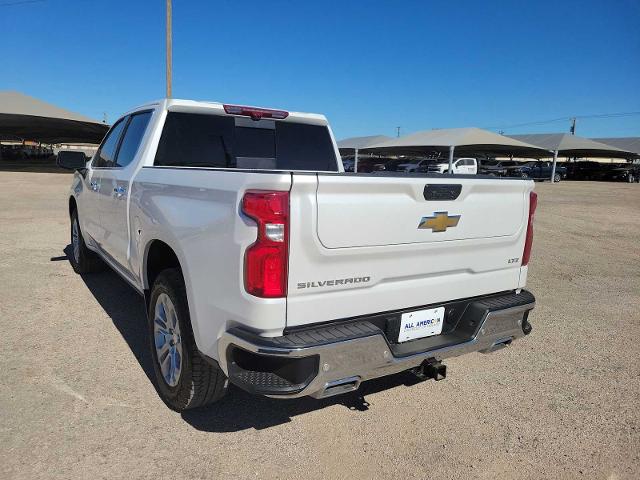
point(573, 126)
point(397, 131)
point(169, 49)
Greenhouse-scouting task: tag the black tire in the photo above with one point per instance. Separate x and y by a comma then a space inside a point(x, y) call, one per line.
point(82, 259)
point(200, 383)
point(557, 178)
point(524, 175)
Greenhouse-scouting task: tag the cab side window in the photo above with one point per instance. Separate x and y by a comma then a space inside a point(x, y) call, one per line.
point(106, 155)
point(132, 138)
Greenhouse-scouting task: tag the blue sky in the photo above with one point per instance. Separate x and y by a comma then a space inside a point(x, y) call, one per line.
point(368, 65)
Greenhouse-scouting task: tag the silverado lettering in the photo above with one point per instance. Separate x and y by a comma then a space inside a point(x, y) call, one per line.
point(331, 283)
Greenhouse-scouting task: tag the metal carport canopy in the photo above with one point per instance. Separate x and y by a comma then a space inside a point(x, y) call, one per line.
point(354, 144)
point(28, 118)
point(348, 145)
point(569, 145)
point(468, 141)
point(572, 145)
point(630, 144)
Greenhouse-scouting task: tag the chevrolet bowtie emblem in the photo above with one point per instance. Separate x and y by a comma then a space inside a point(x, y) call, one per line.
point(439, 222)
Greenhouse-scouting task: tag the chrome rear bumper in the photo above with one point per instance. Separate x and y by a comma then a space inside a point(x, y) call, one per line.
point(342, 365)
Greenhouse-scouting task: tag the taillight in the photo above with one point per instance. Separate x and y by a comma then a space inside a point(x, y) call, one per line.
point(533, 203)
point(255, 113)
point(265, 261)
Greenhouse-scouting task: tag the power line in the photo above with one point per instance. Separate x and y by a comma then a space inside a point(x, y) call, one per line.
point(564, 119)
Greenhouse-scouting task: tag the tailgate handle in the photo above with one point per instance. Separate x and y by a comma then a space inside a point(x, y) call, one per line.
point(441, 191)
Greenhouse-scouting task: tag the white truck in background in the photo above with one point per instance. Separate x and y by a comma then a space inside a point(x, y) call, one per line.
point(468, 166)
point(263, 264)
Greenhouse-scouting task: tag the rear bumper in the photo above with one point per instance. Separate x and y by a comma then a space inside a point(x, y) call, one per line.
point(334, 359)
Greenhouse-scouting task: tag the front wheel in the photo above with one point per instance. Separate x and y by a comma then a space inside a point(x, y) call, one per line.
point(184, 379)
point(556, 178)
point(82, 259)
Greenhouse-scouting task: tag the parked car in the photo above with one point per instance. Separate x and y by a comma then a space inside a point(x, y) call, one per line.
point(622, 173)
point(393, 165)
point(460, 166)
point(586, 170)
point(492, 167)
point(348, 164)
point(262, 265)
point(414, 165)
point(538, 170)
point(468, 166)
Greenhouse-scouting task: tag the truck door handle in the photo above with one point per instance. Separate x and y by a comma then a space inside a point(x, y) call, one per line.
point(119, 191)
point(94, 186)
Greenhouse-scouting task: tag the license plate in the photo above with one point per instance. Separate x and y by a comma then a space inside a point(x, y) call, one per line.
point(420, 324)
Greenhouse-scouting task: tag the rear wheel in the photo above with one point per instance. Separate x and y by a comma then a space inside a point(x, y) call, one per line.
point(82, 259)
point(557, 178)
point(524, 175)
point(184, 379)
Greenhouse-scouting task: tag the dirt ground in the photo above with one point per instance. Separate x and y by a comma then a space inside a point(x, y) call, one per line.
point(76, 400)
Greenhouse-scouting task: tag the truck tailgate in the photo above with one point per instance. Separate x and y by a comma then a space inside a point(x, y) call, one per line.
point(358, 212)
point(366, 244)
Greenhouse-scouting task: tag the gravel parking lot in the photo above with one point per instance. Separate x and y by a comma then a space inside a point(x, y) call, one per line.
point(76, 400)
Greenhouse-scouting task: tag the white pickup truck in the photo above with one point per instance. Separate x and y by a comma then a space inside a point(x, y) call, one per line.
point(467, 166)
point(263, 264)
point(461, 165)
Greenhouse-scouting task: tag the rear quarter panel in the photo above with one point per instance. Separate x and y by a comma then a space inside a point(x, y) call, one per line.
point(196, 212)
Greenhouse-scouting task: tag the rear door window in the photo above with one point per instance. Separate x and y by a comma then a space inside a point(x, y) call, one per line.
point(199, 140)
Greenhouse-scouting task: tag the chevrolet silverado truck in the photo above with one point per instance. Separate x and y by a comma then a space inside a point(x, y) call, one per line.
point(263, 264)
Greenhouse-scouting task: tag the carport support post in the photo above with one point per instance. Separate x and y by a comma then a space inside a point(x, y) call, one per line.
point(553, 169)
point(451, 148)
point(355, 161)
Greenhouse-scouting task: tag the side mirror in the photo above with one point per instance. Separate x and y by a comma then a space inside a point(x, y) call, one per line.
point(70, 160)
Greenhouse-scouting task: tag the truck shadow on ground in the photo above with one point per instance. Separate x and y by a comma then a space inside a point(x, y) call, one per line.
point(238, 410)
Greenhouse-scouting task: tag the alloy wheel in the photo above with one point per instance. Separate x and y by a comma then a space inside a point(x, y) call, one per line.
point(167, 340)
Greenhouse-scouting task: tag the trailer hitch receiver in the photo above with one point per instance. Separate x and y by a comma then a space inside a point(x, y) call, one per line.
point(431, 369)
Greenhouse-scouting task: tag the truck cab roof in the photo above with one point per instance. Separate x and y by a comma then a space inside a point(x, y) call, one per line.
point(218, 108)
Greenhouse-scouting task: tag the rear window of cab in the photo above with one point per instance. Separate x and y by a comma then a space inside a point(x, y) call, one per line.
point(200, 140)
